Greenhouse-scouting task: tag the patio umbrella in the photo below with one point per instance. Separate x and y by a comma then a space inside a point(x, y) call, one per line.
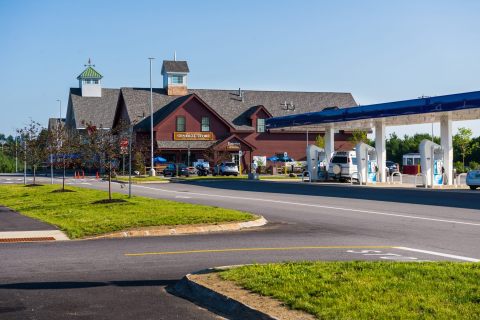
point(159, 160)
point(273, 159)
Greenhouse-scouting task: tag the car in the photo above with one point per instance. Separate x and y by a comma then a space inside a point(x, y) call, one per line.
point(342, 165)
point(226, 169)
point(173, 169)
point(392, 167)
point(473, 179)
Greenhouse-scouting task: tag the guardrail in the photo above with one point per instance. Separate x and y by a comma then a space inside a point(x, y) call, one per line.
point(359, 177)
point(424, 179)
point(457, 180)
point(306, 174)
point(396, 173)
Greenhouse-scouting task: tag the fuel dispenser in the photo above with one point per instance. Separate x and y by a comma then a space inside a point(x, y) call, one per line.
point(431, 162)
point(316, 163)
point(366, 163)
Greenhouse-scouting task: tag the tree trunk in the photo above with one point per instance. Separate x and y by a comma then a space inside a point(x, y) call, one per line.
point(63, 179)
point(109, 180)
point(34, 173)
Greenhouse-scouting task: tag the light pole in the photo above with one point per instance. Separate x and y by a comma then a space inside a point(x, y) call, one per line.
point(16, 154)
point(152, 170)
point(60, 101)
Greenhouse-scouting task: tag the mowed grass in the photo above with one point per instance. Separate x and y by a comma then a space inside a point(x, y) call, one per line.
point(78, 215)
point(368, 290)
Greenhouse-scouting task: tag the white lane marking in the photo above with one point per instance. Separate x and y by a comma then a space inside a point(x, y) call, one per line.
point(440, 254)
point(182, 197)
point(320, 206)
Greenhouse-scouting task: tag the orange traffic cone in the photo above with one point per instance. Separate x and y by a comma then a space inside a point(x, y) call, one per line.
point(83, 174)
point(75, 175)
point(97, 176)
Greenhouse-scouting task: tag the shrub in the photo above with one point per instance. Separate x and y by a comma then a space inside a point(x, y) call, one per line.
point(473, 165)
point(459, 167)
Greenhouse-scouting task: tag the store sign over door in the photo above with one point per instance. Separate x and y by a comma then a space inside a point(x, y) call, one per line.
point(193, 136)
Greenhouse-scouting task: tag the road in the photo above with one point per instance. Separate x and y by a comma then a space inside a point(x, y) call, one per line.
point(124, 278)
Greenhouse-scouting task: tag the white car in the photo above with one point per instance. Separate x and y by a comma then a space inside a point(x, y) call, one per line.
point(342, 165)
point(226, 169)
point(473, 179)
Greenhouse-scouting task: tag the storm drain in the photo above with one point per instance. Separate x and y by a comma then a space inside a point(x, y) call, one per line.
point(27, 239)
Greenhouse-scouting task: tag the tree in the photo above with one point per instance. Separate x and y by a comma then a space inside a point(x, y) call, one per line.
point(63, 144)
point(359, 136)
point(320, 141)
point(103, 148)
point(463, 142)
point(35, 146)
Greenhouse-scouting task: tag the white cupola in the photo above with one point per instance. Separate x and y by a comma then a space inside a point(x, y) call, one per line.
point(175, 75)
point(89, 81)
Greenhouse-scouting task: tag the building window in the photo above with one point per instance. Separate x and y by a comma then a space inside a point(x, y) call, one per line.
point(177, 79)
point(205, 124)
point(260, 125)
point(181, 124)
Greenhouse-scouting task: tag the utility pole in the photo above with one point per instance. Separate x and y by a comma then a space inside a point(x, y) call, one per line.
point(152, 170)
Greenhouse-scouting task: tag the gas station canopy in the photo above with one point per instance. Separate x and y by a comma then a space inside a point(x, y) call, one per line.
point(460, 106)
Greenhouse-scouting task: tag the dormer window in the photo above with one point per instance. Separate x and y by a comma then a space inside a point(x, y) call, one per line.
point(260, 125)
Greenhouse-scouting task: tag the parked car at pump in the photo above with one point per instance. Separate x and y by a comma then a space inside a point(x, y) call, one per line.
point(473, 179)
point(226, 169)
point(342, 165)
point(392, 167)
point(172, 169)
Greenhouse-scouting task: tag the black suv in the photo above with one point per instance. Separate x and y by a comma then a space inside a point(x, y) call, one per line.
point(171, 170)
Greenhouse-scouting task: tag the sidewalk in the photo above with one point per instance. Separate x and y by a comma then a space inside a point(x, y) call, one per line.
point(15, 227)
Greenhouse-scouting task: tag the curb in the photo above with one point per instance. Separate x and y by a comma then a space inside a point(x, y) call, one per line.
point(182, 229)
point(139, 182)
point(212, 300)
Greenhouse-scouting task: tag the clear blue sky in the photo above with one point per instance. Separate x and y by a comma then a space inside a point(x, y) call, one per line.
point(377, 50)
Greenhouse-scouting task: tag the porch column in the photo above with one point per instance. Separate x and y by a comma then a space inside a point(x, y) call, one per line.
point(329, 141)
point(381, 149)
point(447, 145)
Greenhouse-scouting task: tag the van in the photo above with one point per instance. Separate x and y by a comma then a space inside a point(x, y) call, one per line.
point(342, 165)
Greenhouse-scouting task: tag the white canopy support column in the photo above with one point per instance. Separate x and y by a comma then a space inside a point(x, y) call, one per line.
point(381, 149)
point(447, 145)
point(329, 141)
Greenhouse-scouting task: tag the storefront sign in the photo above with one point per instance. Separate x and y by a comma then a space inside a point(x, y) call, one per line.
point(233, 146)
point(193, 136)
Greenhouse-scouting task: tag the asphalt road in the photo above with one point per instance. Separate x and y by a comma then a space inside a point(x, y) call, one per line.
point(125, 278)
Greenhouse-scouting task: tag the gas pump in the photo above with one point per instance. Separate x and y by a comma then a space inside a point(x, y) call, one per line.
point(431, 162)
point(366, 163)
point(316, 163)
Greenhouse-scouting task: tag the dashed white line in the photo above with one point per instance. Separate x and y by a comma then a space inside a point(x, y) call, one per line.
point(320, 206)
point(440, 254)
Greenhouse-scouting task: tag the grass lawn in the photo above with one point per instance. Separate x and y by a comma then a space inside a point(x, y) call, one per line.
point(139, 179)
point(368, 290)
point(78, 215)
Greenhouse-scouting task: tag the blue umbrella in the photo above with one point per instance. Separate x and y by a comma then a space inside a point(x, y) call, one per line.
point(159, 160)
point(273, 158)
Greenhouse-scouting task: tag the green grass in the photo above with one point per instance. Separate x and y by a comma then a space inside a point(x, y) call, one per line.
point(78, 215)
point(139, 179)
point(368, 290)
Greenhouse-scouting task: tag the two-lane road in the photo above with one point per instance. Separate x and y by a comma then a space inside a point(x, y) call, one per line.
point(125, 278)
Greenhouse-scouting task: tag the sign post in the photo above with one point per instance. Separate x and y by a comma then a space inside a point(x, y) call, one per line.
point(240, 154)
point(285, 155)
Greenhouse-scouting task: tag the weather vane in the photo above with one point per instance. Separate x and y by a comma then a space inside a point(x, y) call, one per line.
point(89, 63)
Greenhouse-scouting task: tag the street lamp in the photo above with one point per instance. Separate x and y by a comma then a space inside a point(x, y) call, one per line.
point(152, 170)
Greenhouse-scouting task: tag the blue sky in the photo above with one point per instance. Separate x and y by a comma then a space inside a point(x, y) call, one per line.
point(377, 50)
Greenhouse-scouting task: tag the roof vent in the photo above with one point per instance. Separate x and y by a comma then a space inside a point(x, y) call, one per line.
point(288, 106)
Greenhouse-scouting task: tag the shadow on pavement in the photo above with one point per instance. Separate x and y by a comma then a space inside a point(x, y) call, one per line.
point(446, 198)
point(84, 284)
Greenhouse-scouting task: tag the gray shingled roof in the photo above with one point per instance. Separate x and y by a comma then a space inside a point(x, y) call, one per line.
point(174, 66)
point(99, 111)
point(230, 106)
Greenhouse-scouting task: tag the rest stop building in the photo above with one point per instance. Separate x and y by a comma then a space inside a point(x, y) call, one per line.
point(190, 124)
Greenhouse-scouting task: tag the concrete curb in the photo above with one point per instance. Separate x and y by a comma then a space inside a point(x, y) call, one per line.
point(183, 229)
point(139, 182)
point(212, 300)
point(57, 234)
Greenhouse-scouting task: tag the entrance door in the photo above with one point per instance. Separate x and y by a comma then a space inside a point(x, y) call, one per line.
point(236, 159)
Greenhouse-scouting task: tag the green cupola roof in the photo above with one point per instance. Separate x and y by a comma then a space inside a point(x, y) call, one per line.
point(89, 73)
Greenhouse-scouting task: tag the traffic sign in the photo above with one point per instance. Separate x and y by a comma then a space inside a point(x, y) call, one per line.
point(240, 153)
point(285, 154)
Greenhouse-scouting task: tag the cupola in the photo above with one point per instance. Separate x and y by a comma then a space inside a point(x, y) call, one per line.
point(175, 77)
point(89, 81)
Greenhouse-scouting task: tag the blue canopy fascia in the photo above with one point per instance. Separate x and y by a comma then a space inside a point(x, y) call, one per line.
point(453, 102)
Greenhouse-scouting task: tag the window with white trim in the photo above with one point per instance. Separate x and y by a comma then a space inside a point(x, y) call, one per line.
point(177, 79)
point(260, 125)
point(180, 126)
point(205, 124)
